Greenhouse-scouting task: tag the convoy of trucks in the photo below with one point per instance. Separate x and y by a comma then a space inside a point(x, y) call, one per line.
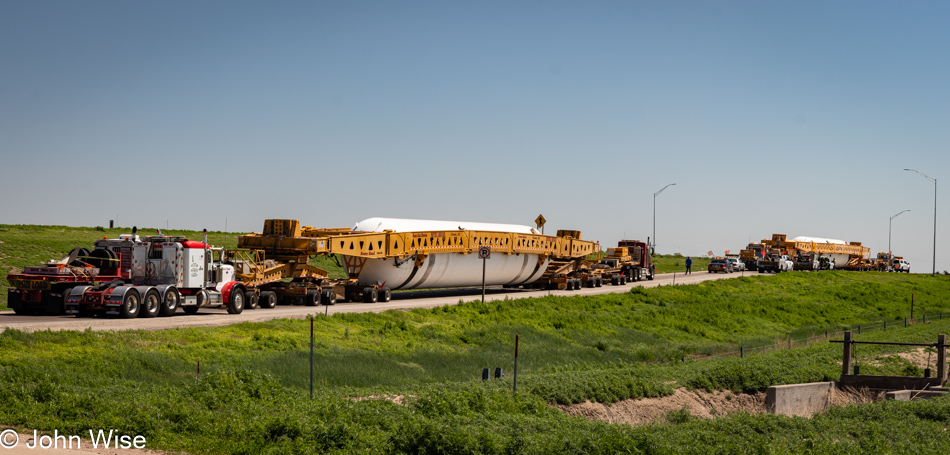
point(133, 276)
point(150, 276)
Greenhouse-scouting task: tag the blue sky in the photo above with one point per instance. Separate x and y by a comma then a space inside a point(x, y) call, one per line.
point(794, 117)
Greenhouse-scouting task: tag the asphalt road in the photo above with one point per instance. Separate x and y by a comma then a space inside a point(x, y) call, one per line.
point(401, 301)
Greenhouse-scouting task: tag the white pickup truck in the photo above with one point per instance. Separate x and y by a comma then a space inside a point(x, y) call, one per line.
point(775, 264)
point(901, 265)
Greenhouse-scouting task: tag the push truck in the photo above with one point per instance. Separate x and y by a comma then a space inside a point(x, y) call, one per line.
point(164, 272)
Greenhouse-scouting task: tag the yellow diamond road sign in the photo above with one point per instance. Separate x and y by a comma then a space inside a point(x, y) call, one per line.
point(540, 220)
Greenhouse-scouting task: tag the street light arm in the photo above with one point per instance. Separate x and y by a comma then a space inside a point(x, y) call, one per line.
point(923, 175)
point(895, 216)
point(661, 189)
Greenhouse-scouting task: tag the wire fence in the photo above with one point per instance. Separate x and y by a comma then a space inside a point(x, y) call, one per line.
point(790, 343)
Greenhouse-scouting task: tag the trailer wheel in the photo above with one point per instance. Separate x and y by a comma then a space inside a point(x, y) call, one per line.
point(385, 294)
point(328, 297)
point(268, 299)
point(598, 281)
point(251, 300)
point(190, 309)
point(236, 302)
point(312, 298)
point(151, 304)
point(66, 293)
point(370, 295)
point(623, 280)
point(615, 280)
point(170, 302)
point(652, 273)
point(130, 304)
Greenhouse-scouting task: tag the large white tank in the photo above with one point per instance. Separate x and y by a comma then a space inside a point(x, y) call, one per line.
point(448, 269)
point(407, 225)
point(840, 259)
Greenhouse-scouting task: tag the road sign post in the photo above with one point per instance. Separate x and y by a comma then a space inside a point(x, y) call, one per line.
point(484, 253)
point(540, 222)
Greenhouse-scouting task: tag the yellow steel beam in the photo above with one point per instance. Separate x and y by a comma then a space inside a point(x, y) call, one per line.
point(403, 244)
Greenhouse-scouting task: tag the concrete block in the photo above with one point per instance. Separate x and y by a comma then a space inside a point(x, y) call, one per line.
point(907, 395)
point(798, 399)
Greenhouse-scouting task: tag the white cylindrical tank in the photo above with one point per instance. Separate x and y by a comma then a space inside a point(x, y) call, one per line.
point(442, 270)
point(840, 259)
point(407, 225)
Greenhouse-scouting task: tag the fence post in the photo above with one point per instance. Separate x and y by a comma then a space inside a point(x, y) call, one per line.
point(514, 385)
point(741, 352)
point(846, 359)
point(941, 358)
point(311, 357)
point(859, 329)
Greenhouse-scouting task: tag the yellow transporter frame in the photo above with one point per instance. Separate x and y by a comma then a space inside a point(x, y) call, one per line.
point(854, 250)
point(287, 242)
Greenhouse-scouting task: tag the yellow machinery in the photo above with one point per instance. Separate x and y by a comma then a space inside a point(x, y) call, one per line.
point(288, 246)
point(853, 254)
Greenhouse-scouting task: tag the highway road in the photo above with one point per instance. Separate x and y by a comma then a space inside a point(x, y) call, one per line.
point(401, 301)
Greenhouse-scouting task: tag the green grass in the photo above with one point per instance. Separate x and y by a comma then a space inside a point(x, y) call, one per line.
point(676, 263)
point(252, 394)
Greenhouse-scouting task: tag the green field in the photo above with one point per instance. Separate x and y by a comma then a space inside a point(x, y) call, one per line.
point(252, 395)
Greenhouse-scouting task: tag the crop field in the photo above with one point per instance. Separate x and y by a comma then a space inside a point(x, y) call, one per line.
point(410, 381)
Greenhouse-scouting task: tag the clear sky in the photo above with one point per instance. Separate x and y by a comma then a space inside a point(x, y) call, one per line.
point(771, 117)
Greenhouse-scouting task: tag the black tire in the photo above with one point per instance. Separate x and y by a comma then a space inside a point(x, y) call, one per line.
point(191, 309)
point(385, 294)
point(151, 304)
point(236, 301)
point(268, 299)
point(370, 295)
point(251, 300)
point(615, 280)
point(20, 311)
point(102, 259)
point(170, 302)
point(66, 293)
point(81, 257)
point(652, 273)
point(623, 280)
point(312, 298)
point(599, 282)
point(328, 297)
point(131, 304)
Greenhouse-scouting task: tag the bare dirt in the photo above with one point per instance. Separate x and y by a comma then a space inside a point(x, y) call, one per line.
point(699, 403)
point(642, 411)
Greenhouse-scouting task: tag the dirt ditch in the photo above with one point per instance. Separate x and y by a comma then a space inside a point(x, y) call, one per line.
point(699, 403)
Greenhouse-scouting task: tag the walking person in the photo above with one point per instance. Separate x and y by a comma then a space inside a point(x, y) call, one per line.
point(689, 264)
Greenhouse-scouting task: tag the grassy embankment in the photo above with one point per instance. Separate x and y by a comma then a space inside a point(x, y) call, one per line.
point(251, 397)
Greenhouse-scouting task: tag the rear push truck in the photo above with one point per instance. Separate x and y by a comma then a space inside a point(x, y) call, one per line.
point(156, 275)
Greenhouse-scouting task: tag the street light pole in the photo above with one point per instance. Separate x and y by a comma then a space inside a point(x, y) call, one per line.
point(653, 250)
point(890, 257)
point(935, 214)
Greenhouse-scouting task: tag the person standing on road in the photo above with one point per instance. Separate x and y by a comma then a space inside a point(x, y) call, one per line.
point(689, 264)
